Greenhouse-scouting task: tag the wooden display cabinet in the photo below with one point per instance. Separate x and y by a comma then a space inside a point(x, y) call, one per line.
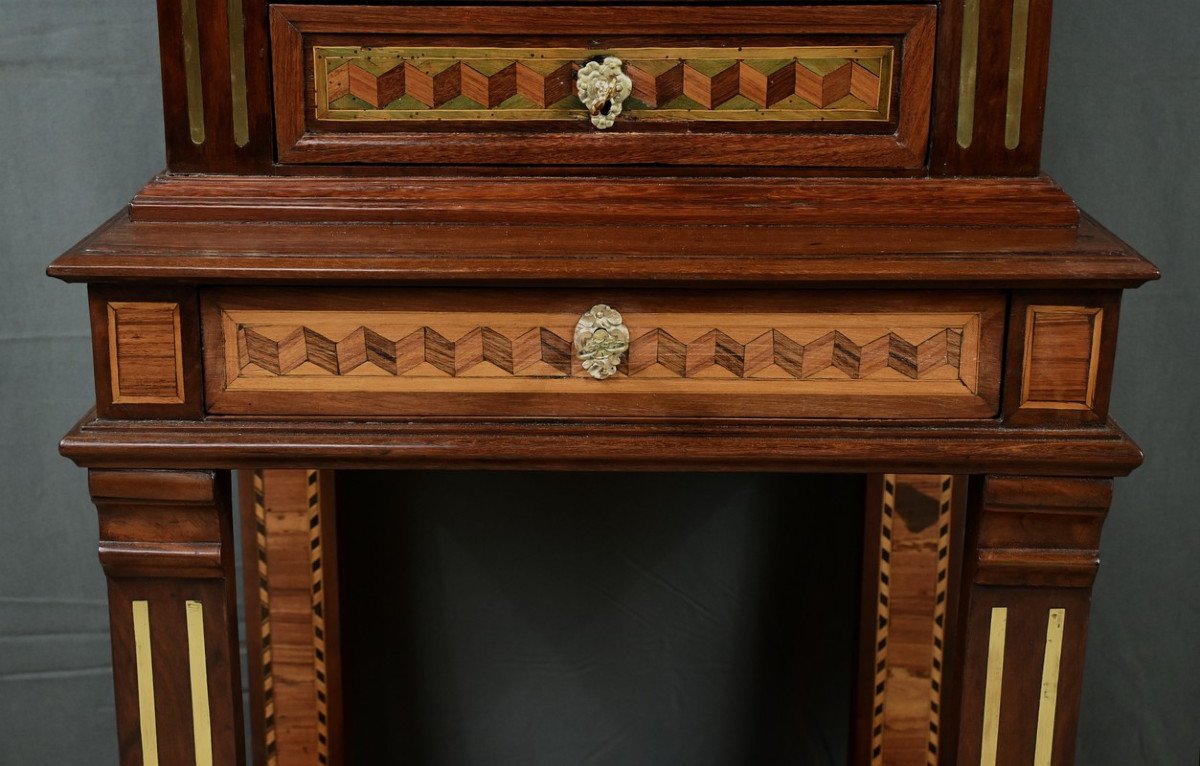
point(802, 238)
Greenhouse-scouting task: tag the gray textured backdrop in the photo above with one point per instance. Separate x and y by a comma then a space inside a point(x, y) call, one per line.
point(80, 132)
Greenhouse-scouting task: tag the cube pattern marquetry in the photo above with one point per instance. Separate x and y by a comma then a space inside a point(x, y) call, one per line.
point(543, 352)
point(798, 83)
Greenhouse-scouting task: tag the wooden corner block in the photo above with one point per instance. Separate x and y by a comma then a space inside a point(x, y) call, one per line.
point(1062, 357)
point(145, 352)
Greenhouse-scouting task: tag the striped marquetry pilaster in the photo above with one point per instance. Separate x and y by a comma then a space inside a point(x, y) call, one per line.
point(296, 713)
point(914, 578)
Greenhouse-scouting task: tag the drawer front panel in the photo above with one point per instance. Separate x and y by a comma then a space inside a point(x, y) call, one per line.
point(411, 353)
point(844, 86)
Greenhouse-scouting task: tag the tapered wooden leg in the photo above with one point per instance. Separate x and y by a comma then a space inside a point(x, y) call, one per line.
point(1032, 554)
point(166, 545)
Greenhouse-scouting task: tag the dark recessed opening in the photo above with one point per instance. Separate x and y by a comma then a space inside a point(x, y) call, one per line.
point(598, 618)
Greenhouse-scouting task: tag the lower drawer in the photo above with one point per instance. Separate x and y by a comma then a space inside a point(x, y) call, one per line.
point(405, 353)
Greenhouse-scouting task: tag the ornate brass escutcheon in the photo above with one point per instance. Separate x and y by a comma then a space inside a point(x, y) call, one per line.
point(600, 340)
point(603, 87)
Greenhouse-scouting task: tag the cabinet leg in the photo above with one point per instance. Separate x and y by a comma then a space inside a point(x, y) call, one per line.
point(166, 545)
point(1032, 552)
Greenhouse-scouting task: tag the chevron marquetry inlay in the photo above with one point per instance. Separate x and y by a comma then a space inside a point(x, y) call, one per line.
point(541, 352)
point(793, 83)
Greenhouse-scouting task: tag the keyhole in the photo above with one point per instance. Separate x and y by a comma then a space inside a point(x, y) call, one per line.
point(607, 106)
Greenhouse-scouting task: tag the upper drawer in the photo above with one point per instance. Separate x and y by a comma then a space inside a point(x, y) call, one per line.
point(817, 86)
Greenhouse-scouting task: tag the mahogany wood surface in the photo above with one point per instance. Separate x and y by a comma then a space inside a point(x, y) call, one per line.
point(231, 302)
point(715, 444)
point(1018, 202)
point(695, 255)
point(166, 545)
point(633, 26)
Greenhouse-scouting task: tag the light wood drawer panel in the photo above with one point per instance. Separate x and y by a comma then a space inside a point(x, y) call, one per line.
point(817, 86)
point(508, 353)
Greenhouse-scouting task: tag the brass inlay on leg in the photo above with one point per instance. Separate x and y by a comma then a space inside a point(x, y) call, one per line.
point(1016, 73)
point(1048, 704)
point(198, 667)
point(968, 69)
point(237, 73)
point(191, 67)
point(992, 687)
point(145, 682)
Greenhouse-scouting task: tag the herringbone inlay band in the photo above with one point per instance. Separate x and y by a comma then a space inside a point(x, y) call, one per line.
point(541, 352)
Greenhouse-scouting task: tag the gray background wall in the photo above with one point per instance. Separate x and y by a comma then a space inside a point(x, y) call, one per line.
point(80, 131)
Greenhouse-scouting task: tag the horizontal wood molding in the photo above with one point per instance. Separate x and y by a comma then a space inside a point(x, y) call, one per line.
point(405, 353)
point(1022, 203)
point(419, 96)
point(580, 444)
point(661, 256)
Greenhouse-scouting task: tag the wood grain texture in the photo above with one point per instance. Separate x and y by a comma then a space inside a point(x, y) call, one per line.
point(1060, 356)
point(686, 141)
point(289, 543)
point(1033, 545)
point(1021, 203)
point(663, 256)
point(632, 444)
point(145, 350)
point(404, 353)
point(166, 545)
point(1008, 94)
point(229, 92)
point(910, 584)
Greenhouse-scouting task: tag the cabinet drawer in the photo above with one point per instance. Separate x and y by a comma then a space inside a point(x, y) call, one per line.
point(403, 353)
point(814, 86)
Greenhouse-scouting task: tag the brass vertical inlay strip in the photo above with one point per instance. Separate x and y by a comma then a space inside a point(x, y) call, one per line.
point(1048, 704)
point(992, 686)
point(198, 667)
point(145, 682)
point(968, 70)
point(191, 67)
point(237, 72)
point(1016, 73)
